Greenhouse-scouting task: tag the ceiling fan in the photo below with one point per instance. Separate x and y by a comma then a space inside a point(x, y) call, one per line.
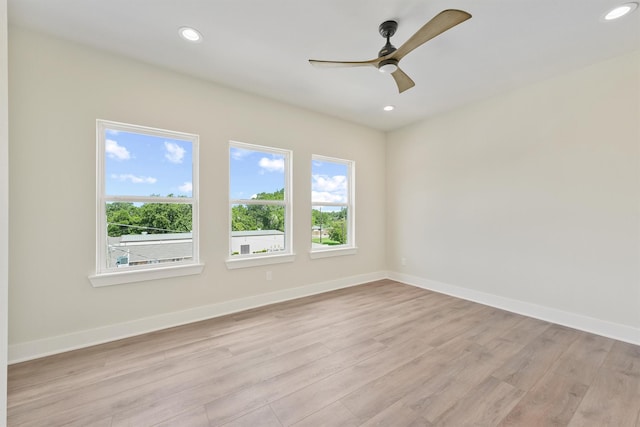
point(389, 57)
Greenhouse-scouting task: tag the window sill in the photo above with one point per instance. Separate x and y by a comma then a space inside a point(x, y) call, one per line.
point(132, 276)
point(233, 263)
point(326, 253)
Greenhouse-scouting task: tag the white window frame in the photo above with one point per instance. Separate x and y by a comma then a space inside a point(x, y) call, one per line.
point(288, 255)
point(350, 247)
point(105, 276)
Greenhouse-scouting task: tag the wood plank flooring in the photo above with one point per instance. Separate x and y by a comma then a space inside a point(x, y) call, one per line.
point(380, 354)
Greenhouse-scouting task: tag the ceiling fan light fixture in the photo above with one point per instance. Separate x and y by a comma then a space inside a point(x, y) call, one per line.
point(389, 57)
point(620, 11)
point(388, 66)
point(190, 34)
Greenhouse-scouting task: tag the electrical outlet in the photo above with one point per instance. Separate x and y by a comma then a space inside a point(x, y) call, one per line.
point(403, 261)
point(269, 275)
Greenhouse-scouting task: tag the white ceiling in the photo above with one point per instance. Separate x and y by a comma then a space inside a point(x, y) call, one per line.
point(262, 47)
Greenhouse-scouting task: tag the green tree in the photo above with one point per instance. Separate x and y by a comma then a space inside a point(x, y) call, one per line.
point(241, 220)
point(160, 218)
point(153, 218)
point(276, 195)
point(259, 217)
point(340, 215)
point(122, 218)
point(338, 231)
point(267, 217)
point(320, 219)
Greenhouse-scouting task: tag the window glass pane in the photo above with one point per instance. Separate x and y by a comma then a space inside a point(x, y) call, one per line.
point(257, 217)
point(148, 233)
point(147, 198)
point(257, 229)
point(329, 182)
point(331, 199)
point(328, 226)
point(137, 164)
point(256, 174)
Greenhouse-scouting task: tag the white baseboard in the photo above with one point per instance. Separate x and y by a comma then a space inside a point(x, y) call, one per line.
point(21, 352)
point(573, 320)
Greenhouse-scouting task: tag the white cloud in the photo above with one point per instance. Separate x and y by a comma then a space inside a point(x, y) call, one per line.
point(329, 188)
point(272, 165)
point(175, 153)
point(329, 183)
point(135, 179)
point(116, 151)
point(318, 196)
point(239, 153)
point(187, 187)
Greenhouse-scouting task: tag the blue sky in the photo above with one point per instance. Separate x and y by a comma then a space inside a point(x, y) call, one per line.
point(254, 172)
point(141, 165)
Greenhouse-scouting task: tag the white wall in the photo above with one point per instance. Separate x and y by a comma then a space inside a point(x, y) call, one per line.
point(57, 91)
point(4, 209)
point(529, 197)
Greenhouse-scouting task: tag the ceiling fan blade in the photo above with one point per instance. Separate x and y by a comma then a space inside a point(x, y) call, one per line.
point(318, 63)
point(442, 22)
point(403, 81)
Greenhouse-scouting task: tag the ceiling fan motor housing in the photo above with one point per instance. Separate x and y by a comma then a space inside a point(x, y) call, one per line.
point(387, 29)
point(386, 50)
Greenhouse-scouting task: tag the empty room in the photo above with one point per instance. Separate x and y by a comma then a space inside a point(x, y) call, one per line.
point(329, 213)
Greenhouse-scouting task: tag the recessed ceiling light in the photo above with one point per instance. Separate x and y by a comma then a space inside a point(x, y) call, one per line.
point(389, 108)
point(620, 11)
point(190, 34)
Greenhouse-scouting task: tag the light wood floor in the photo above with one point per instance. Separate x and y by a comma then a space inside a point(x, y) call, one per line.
point(381, 354)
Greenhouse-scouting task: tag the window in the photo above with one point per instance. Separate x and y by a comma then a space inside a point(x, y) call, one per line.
point(260, 205)
point(332, 210)
point(147, 207)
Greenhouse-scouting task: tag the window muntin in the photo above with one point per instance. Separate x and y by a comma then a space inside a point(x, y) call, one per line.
point(332, 210)
point(259, 201)
point(147, 198)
